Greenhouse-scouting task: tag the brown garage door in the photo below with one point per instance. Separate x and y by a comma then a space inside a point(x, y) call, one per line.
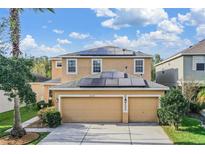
point(91, 109)
point(143, 109)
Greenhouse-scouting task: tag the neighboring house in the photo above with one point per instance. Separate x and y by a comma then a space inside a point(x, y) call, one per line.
point(106, 84)
point(5, 104)
point(186, 66)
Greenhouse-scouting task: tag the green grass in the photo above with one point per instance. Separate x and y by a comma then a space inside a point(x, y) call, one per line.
point(190, 132)
point(42, 136)
point(6, 118)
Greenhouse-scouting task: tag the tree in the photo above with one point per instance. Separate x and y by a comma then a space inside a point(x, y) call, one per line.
point(42, 66)
point(17, 130)
point(14, 80)
point(173, 106)
point(155, 60)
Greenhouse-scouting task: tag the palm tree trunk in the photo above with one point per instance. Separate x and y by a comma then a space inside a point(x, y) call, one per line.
point(15, 31)
point(17, 130)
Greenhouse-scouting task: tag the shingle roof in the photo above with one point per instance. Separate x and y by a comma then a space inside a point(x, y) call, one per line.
point(40, 78)
point(107, 51)
point(58, 80)
point(197, 49)
point(76, 84)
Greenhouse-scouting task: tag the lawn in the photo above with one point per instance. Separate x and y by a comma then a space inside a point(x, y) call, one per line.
point(6, 118)
point(190, 132)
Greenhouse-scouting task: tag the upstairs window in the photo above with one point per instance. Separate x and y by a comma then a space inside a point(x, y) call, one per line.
point(200, 66)
point(58, 64)
point(139, 66)
point(72, 66)
point(96, 65)
point(198, 63)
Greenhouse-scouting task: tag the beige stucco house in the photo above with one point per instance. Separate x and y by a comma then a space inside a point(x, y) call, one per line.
point(185, 66)
point(106, 84)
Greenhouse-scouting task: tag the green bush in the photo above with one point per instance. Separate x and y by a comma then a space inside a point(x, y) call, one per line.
point(53, 119)
point(195, 107)
point(50, 116)
point(173, 107)
point(201, 96)
point(42, 104)
point(43, 112)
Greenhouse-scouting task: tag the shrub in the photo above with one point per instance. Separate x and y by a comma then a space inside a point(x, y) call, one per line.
point(173, 107)
point(42, 104)
point(195, 107)
point(53, 119)
point(201, 96)
point(42, 113)
point(50, 116)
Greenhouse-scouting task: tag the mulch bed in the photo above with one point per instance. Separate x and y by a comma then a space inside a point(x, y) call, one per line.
point(37, 124)
point(29, 137)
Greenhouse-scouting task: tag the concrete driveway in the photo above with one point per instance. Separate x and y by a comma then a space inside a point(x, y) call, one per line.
point(134, 133)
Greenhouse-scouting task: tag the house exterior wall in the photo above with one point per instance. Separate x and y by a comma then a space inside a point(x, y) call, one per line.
point(148, 105)
point(41, 90)
point(84, 67)
point(56, 93)
point(190, 74)
point(56, 72)
point(5, 104)
point(170, 73)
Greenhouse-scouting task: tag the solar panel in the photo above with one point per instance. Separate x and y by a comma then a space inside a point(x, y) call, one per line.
point(107, 75)
point(138, 82)
point(109, 51)
point(112, 82)
point(118, 75)
point(98, 82)
point(124, 82)
point(85, 82)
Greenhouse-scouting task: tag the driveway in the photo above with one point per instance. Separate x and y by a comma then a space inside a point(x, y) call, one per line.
point(80, 133)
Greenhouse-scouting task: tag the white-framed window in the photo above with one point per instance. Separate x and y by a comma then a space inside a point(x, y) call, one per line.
point(138, 66)
point(72, 66)
point(96, 66)
point(58, 64)
point(198, 63)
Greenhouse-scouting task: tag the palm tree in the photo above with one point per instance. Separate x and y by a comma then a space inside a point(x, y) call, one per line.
point(18, 130)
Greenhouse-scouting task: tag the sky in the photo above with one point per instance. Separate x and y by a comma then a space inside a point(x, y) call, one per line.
point(152, 31)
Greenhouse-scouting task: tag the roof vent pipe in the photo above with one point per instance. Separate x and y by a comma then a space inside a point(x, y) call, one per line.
point(125, 75)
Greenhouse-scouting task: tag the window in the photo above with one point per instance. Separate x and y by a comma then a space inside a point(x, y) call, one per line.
point(72, 66)
point(200, 66)
point(96, 65)
point(58, 64)
point(139, 66)
point(198, 63)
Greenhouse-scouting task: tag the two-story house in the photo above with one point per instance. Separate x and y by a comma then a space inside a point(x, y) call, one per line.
point(185, 66)
point(106, 84)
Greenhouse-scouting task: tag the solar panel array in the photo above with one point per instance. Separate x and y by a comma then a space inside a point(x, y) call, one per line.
point(112, 82)
point(108, 51)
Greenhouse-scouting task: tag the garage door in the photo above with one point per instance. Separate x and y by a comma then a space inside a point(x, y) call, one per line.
point(91, 109)
point(143, 109)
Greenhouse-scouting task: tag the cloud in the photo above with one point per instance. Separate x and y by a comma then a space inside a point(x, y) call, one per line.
point(152, 42)
point(63, 41)
point(79, 36)
point(200, 31)
point(29, 46)
point(170, 26)
point(103, 12)
point(58, 31)
point(195, 17)
point(134, 17)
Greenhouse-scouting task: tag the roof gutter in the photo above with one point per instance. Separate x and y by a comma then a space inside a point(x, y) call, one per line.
point(165, 88)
